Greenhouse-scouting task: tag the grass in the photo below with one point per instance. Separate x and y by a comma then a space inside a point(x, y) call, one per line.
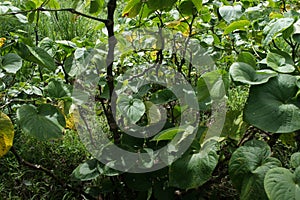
point(21, 182)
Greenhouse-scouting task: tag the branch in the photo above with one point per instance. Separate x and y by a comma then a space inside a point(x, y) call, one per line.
point(112, 41)
point(48, 172)
point(71, 10)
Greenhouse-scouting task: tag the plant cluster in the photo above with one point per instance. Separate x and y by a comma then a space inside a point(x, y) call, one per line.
point(238, 111)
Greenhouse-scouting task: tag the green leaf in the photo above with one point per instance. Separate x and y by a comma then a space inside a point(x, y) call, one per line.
point(281, 184)
point(11, 63)
point(57, 89)
point(43, 122)
point(154, 115)
point(107, 171)
point(36, 55)
point(279, 63)
point(95, 6)
point(198, 4)
point(53, 4)
point(234, 126)
point(21, 18)
point(187, 8)
point(167, 134)
point(163, 96)
point(241, 25)
point(244, 73)
point(295, 160)
point(87, 170)
point(134, 109)
point(192, 171)
point(272, 106)
point(160, 5)
point(248, 58)
point(248, 166)
point(296, 34)
point(231, 13)
point(132, 9)
point(212, 84)
point(6, 134)
point(275, 27)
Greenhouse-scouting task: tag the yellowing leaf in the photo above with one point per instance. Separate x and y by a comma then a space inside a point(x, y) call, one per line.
point(2, 41)
point(6, 134)
point(132, 9)
point(70, 121)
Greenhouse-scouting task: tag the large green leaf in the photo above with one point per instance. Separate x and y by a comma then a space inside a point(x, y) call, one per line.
point(131, 108)
point(42, 57)
point(192, 171)
point(241, 25)
point(247, 168)
point(87, 170)
point(231, 13)
point(36, 55)
point(11, 63)
point(279, 63)
point(6, 134)
point(44, 122)
point(281, 184)
point(275, 27)
point(57, 89)
point(273, 106)
point(245, 73)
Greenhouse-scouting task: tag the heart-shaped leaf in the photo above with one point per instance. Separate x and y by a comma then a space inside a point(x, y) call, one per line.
point(43, 122)
point(245, 73)
point(273, 106)
point(192, 171)
point(11, 63)
point(279, 63)
point(131, 108)
point(6, 134)
point(248, 166)
point(57, 89)
point(231, 13)
point(281, 184)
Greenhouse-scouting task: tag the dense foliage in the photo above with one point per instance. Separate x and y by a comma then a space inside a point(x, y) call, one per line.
point(219, 82)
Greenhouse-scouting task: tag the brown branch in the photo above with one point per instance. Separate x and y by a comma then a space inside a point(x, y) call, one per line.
point(111, 7)
point(71, 10)
point(50, 173)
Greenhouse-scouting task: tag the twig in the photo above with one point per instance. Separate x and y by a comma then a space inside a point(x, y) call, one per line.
point(71, 10)
point(48, 172)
